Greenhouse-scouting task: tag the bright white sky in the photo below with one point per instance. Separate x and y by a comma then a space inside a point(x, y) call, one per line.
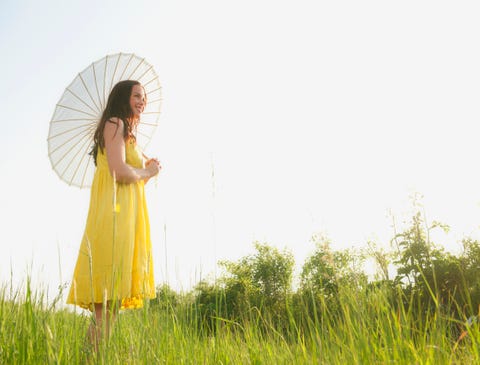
point(315, 115)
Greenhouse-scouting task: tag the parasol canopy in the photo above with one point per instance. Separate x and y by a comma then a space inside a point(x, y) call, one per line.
point(70, 136)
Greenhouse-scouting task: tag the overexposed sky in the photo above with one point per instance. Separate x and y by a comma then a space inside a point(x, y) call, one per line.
point(311, 115)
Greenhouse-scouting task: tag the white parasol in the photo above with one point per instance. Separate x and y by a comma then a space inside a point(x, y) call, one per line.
point(70, 137)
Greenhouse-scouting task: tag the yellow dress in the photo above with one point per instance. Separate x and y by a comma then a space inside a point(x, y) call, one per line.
point(115, 257)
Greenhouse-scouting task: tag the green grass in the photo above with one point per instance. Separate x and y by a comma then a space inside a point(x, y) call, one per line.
point(365, 330)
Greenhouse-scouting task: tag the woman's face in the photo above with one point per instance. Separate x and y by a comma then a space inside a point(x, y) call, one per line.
point(137, 100)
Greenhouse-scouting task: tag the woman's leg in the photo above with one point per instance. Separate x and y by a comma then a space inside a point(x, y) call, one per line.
point(102, 323)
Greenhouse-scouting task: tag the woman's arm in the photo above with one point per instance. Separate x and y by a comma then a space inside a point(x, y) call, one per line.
point(115, 150)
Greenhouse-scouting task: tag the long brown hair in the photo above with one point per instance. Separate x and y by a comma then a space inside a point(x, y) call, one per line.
point(118, 105)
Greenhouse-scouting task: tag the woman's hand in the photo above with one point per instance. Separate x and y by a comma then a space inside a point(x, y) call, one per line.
point(153, 167)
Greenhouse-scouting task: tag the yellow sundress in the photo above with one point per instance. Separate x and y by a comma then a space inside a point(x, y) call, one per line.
point(115, 257)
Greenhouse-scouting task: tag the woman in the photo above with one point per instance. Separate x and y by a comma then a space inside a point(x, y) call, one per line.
point(114, 266)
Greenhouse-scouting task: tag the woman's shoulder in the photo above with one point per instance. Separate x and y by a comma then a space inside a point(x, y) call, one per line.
point(115, 120)
point(113, 126)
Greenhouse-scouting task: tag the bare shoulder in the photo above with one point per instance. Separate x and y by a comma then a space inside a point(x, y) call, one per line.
point(115, 121)
point(113, 127)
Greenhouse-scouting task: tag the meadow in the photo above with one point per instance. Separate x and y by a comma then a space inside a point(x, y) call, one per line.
point(370, 332)
point(253, 314)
